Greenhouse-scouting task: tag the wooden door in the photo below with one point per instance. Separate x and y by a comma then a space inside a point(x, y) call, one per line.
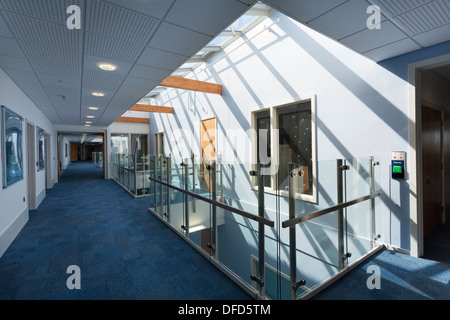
point(431, 169)
point(446, 150)
point(208, 153)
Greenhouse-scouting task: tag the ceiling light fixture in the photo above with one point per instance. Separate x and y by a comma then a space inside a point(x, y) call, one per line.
point(90, 117)
point(93, 108)
point(107, 66)
point(87, 125)
point(88, 122)
point(98, 94)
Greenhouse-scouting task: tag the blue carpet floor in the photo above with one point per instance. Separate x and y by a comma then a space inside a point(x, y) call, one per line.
point(402, 277)
point(122, 250)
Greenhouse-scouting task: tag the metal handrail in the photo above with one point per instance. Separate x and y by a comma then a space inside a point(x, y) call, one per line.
point(315, 214)
point(243, 213)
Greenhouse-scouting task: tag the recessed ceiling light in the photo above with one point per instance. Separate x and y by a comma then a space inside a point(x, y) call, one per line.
point(97, 94)
point(88, 122)
point(87, 125)
point(93, 108)
point(107, 66)
point(90, 117)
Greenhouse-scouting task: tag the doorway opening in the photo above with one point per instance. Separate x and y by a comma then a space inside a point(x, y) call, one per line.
point(430, 155)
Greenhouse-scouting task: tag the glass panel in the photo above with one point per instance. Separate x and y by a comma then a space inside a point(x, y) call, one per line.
point(317, 251)
point(12, 147)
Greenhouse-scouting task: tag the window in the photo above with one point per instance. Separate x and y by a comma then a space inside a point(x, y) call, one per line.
point(119, 143)
point(263, 150)
point(290, 133)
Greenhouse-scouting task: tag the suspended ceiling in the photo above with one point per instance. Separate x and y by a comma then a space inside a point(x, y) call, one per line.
point(151, 39)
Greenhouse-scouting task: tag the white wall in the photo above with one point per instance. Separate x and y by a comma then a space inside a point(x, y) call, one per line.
point(14, 199)
point(362, 108)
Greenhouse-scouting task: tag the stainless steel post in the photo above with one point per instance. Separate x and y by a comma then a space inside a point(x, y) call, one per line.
point(160, 177)
point(261, 233)
point(135, 175)
point(292, 233)
point(372, 202)
point(193, 180)
point(186, 197)
point(169, 172)
point(213, 175)
point(155, 176)
point(340, 199)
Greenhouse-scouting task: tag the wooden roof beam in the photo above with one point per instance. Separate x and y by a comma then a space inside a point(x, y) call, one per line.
point(135, 120)
point(194, 85)
point(150, 108)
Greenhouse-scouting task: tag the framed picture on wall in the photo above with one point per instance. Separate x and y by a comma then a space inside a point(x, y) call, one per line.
point(11, 144)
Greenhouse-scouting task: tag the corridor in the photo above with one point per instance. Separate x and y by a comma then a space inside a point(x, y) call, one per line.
point(122, 250)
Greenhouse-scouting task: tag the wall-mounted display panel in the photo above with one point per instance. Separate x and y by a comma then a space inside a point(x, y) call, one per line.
point(11, 143)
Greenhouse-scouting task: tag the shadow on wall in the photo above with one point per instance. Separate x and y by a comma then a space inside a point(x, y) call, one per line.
point(363, 91)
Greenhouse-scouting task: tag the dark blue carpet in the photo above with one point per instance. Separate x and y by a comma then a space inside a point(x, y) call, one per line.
point(123, 251)
point(402, 277)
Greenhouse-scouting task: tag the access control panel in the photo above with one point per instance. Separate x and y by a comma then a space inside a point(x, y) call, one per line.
point(398, 159)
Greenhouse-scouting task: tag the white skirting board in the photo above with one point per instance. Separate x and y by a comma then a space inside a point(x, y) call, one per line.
point(40, 197)
point(11, 232)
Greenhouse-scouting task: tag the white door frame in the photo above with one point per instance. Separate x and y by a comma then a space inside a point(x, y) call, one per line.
point(31, 165)
point(415, 150)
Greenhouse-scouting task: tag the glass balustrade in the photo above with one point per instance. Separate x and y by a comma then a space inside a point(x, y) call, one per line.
point(280, 233)
point(131, 173)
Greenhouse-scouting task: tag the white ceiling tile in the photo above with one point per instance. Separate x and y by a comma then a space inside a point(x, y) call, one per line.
point(57, 80)
point(394, 8)
point(18, 75)
point(50, 10)
point(110, 48)
point(4, 32)
point(367, 39)
point(430, 16)
point(44, 33)
point(304, 10)
point(154, 8)
point(178, 40)
point(392, 50)
point(434, 36)
point(148, 84)
point(161, 59)
point(210, 17)
point(120, 23)
point(10, 62)
point(9, 47)
point(344, 20)
point(151, 73)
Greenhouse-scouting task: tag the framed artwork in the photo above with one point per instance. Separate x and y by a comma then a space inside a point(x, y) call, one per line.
point(11, 144)
point(40, 143)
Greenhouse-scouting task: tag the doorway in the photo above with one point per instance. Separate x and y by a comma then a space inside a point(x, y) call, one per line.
point(208, 150)
point(432, 169)
point(31, 156)
point(429, 142)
